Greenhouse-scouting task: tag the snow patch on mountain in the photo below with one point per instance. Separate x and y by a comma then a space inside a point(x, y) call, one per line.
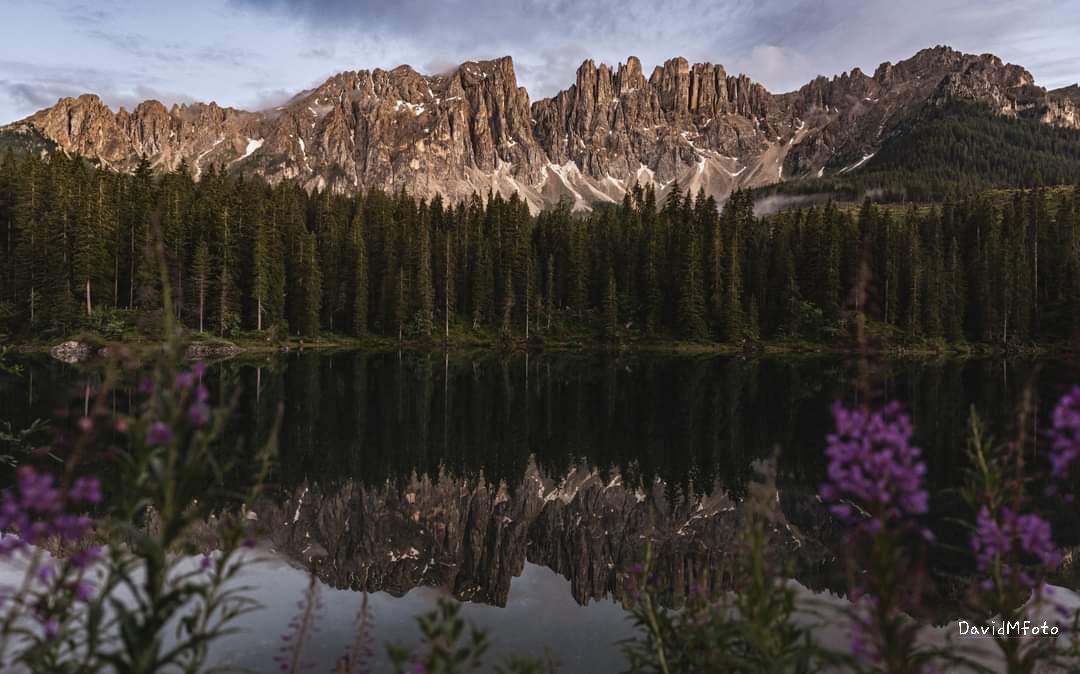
point(852, 167)
point(252, 147)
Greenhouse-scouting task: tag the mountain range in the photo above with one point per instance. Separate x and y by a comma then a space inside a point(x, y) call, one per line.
point(474, 129)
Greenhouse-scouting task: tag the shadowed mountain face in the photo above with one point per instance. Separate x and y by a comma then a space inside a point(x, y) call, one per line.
point(475, 129)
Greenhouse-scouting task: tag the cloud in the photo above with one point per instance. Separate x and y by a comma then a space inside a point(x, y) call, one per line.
point(34, 96)
point(256, 53)
point(268, 98)
point(84, 14)
point(224, 56)
point(40, 86)
point(137, 46)
point(782, 66)
point(548, 39)
point(318, 54)
point(552, 70)
point(782, 43)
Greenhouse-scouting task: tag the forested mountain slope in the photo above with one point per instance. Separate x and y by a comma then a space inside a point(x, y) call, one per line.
point(956, 148)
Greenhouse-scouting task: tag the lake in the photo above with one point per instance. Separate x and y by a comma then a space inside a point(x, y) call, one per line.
point(528, 486)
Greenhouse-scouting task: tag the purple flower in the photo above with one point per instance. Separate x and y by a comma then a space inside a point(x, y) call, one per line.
point(184, 380)
point(198, 368)
point(12, 515)
point(86, 489)
point(873, 465)
point(73, 527)
point(52, 628)
point(81, 559)
point(36, 510)
point(160, 433)
point(9, 545)
point(46, 573)
point(1011, 537)
point(37, 532)
point(36, 491)
point(864, 640)
point(84, 591)
point(1065, 436)
point(841, 511)
point(199, 413)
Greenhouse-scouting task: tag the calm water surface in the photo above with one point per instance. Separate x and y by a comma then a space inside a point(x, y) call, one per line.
point(527, 487)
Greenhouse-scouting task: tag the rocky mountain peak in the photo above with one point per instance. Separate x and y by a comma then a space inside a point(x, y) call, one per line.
point(629, 75)
point(1071, 92)
point(474, 129)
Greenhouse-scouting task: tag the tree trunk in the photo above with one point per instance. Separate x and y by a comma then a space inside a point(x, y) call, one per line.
point(179, 290)
point(887, 299)
point(223, 301)
point(131, 277)
point(89, 307)
point(11, 270)
point(178, 257)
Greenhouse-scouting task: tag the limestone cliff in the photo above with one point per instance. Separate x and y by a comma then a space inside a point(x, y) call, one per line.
point(474, 129)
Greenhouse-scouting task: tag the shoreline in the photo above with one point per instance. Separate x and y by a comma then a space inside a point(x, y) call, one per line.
point(85, 348)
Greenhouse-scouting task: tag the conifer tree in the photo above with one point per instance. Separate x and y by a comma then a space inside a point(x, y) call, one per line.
point(709, 222)
point(31, 251)
point(423, 307)
point(360, 279)
point(611, 307)
point(690, 300)
point(91, 233)
point(311, 288)
point(733, 323)
point(201, 278)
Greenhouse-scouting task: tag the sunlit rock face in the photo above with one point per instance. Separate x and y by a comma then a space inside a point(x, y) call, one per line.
point(472, 538)
point(475, 130)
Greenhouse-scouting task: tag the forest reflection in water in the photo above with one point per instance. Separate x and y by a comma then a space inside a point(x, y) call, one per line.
point(398, 471)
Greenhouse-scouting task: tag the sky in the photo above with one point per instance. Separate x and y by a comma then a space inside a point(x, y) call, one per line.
point(253, 54)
